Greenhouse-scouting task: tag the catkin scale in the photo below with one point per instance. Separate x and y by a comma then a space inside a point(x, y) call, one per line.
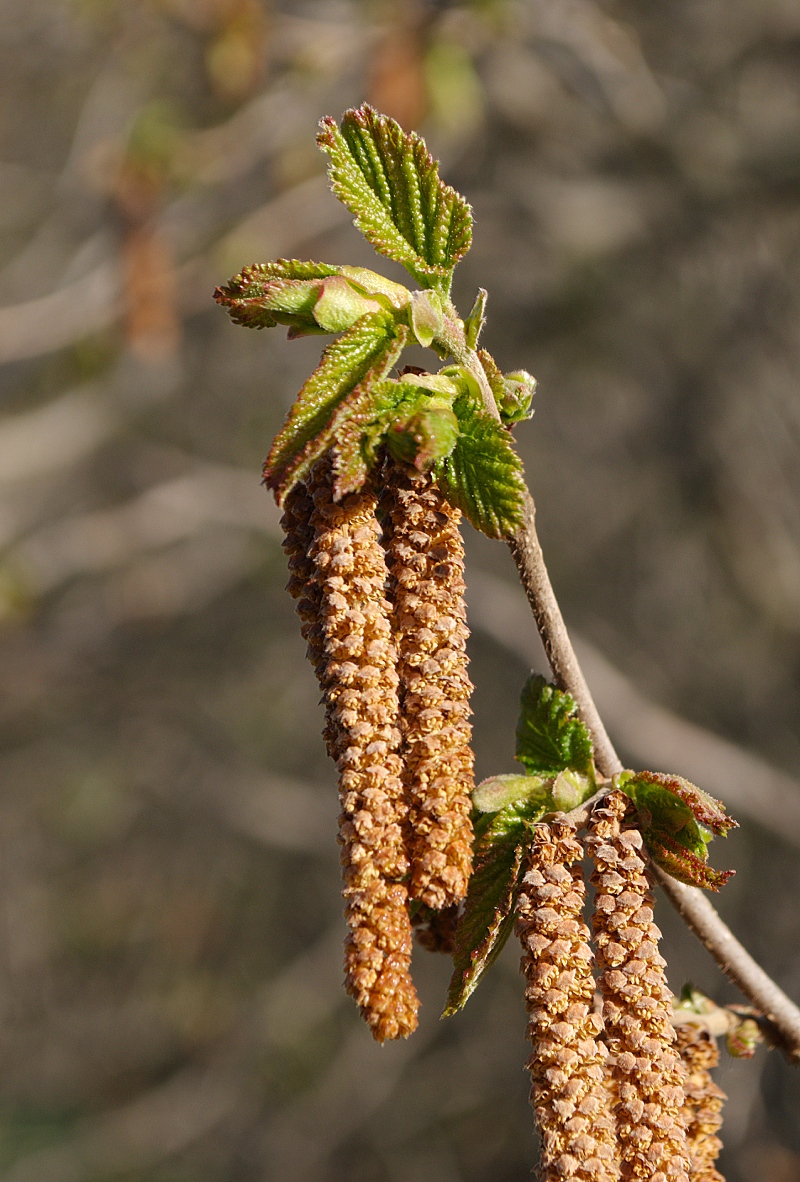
point(338, 573)
point(646, 1075)
point(704, 1099)
point(425, 555)
point(567, 1066)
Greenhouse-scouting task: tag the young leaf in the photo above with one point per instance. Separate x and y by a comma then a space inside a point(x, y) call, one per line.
point(390, 183)
point(373, 405)
point(550, 736)
point(519, 388)
point(494, 794)
point(668, 853)
point(678, 820)
point(473, 325)
point(370, 347)
point(488, 917)
point(253, 281)
point(483, 474)
point(276, 301)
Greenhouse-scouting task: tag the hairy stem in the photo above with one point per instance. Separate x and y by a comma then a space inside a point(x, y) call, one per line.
point(691, 903)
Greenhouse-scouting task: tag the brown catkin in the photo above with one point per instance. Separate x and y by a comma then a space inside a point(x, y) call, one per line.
point(568, 1094)
point(646, 1074)
point(425, 554)
point(347, 618)
point(298, 536)
point(704, 1099)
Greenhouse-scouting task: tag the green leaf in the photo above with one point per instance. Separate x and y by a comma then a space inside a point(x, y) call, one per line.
point(390, 183)
point(426, 316)
point(339, 305)
point(682, 863)
point(483, 475)
point(424, 438)
point(550, 736)
point(473, 325)
point(488, 916)
point(495, 793)
point(276, 301)
point(678, 820)
point(368, 349)
point(360, 435)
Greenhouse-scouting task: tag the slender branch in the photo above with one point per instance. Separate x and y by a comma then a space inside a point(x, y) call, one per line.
point(692, 904)
point(757, 986)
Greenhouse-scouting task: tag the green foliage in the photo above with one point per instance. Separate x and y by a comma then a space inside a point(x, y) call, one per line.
point(308, 297)
point(426, 316)
point(550, 736)
point(678, 820)
point(473, 325)
point(425, 437)
point(488, 916)
point(493, 794)
point(483, 474)
point(364, 354)
point(515, 401)
point(390, 183)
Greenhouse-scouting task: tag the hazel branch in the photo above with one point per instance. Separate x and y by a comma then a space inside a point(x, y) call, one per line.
point(693, 906)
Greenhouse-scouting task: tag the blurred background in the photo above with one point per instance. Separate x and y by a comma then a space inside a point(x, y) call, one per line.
point(170, 923)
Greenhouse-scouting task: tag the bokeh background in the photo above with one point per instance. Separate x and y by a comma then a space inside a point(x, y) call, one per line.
point(170, 926)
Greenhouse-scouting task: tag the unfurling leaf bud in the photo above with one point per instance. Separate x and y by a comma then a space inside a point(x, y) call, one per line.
point(426, 316)
point(514, 403)
point(678, 820)
point(492, 795)
point(339, 305)
point(426, 437)
point(743, 1038)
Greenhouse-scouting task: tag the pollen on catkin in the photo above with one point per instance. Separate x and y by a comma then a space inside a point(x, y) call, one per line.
point(704, 1099)
point(568, 1095)
point(425, 555)
point(356, 668)
point(302, 586)
point(646, 1074)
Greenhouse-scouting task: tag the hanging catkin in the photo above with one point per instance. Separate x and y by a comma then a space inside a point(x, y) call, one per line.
point(339, 575)
point(425, 554)
point(703, 1108)
point(568, 1095)
point(298, 536)
point(646, 1074)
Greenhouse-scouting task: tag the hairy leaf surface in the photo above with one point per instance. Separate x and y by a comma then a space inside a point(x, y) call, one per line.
point(678, 820)
point(370, 347)
point(389, 181)
point(550, 736)
point(483, 474)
